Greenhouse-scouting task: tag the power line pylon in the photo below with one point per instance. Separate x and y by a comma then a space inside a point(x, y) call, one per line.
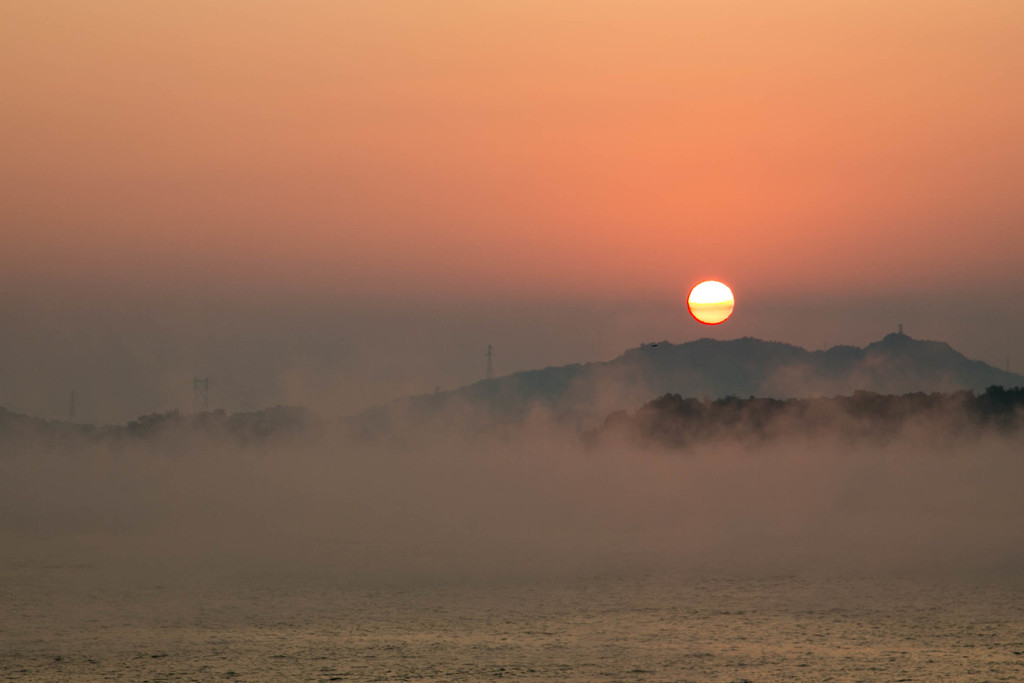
point(490, 361)
point(201, 394)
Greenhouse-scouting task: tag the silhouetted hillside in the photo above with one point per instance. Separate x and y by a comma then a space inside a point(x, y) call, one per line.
point(18, 426)
point(674, 421)
point(708, 368)
point(279, 421)
point(582, 395)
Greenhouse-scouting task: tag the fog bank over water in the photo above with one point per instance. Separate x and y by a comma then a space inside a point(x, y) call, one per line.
point(528, 501)
point(458, 550)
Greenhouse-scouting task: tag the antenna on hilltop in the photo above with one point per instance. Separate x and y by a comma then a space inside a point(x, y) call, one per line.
point(901, 329)
point(490, 361)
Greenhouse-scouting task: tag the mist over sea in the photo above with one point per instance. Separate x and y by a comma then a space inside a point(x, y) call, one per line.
point(447, 554)
point(362, 340)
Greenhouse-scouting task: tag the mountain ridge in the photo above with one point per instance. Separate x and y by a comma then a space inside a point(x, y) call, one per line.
point(710, 368)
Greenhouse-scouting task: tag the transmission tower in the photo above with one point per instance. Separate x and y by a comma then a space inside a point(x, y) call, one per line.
point(490, 361)
point(201, 394)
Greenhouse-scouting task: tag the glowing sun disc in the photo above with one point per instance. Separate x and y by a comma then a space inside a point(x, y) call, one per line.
point(710, 302)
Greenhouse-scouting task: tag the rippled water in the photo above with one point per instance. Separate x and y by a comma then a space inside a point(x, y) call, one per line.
point(67, 622)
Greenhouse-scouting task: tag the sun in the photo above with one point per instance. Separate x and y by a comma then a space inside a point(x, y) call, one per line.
point(710, 302)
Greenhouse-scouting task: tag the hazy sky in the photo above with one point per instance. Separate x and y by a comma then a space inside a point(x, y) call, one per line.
point(341, 202)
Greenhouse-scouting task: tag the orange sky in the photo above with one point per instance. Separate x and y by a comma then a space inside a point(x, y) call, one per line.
point(512, 147)
point(338, 202)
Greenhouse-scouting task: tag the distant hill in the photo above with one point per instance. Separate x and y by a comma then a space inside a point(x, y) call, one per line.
point(709, 368)
point(279, 421)
point(582, 395)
